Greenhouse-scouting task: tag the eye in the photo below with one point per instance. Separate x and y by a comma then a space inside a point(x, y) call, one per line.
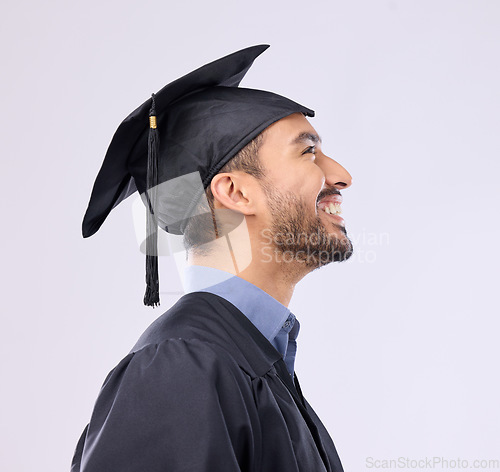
point(309, 150)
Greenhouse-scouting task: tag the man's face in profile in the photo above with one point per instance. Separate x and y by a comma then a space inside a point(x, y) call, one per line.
point(301, 188)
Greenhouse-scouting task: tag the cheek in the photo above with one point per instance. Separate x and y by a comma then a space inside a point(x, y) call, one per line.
point(312, 179)
point(308, 176)
point(305, 179)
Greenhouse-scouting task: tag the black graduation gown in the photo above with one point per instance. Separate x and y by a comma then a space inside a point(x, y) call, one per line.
point(203, 391)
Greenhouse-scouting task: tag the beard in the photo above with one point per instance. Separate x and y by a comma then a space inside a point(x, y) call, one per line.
point(298, 236)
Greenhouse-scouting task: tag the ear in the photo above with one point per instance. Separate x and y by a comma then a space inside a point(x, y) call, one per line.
point(234, 190)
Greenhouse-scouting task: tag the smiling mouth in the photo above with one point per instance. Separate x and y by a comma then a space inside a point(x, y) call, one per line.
point(331, 205)
point(333, 209)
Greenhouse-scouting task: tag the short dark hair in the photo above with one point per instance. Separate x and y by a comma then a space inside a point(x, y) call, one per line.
point(203, 229)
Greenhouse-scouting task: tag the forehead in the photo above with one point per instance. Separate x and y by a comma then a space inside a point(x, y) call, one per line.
point(292, 130)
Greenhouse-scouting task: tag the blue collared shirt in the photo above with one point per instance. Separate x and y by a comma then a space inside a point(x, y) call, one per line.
point(274, 320)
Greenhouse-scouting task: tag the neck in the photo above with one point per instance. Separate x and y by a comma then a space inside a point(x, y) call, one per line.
point(261, 268)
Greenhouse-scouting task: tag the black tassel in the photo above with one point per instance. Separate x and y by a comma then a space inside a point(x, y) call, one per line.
point(152, 295)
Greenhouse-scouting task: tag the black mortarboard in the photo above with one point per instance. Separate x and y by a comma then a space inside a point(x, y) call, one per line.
point(173, 144)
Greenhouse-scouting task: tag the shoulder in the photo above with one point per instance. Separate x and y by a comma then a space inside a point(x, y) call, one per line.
point(172, 401)
point(178, 367)
point(205, 321)
point(197, 315)
point(197, 356)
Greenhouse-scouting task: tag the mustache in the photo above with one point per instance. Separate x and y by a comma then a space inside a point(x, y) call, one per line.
point(326, 193)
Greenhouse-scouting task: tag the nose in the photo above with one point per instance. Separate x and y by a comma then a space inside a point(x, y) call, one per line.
point(335, 174)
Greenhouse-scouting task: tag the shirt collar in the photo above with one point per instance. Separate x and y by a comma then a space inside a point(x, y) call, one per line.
point(265, 312)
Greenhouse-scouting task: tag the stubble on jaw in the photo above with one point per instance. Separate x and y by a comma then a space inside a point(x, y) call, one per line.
point(299, 238)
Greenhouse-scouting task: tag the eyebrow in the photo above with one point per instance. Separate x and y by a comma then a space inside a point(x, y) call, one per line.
point(304, 137)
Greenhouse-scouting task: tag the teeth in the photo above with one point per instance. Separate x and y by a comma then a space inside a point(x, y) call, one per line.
point(333, 209)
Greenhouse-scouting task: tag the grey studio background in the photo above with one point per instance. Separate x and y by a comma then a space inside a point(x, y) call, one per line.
point(399, 347)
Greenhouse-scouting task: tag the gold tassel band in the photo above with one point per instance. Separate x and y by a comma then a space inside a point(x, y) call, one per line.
point(152, 122)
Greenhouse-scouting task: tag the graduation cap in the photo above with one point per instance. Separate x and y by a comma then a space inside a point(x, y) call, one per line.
point(171, 147)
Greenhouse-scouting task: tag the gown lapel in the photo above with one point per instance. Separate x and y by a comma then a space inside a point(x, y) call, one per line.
point(296, 394)
point(263, 356)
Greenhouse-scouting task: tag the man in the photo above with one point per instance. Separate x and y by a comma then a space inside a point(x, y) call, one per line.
point(210, 385)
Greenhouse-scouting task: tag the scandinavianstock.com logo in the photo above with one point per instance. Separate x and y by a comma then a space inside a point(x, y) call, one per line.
point(435, 462)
